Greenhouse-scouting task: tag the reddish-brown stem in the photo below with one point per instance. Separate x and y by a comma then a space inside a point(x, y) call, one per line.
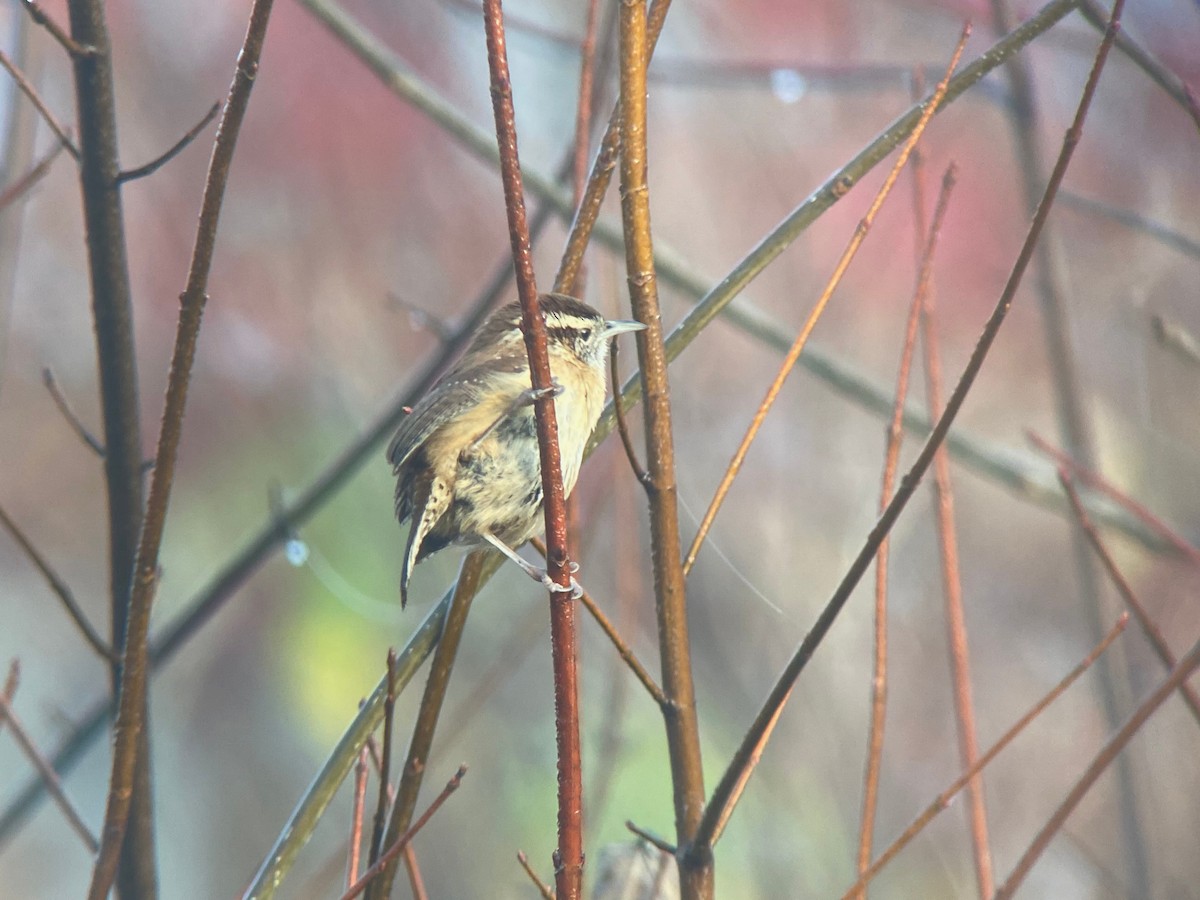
point(583, 124)
point(925, 250)
point(393, 852)
point(134, 676)
point(715, 811)
point(356, 817)
point(415, 882)
point(59, 587)
point(942, 801)
point(1186, 666)
point(1097, 482)
point(569, 856)
point(956, 625)
point(45, 770)
point(650, 838)
point(1145, 621)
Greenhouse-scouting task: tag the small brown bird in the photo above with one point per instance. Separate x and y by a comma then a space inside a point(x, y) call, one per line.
point(466, 459)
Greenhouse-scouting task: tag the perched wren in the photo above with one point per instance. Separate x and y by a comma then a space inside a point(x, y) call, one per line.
point(466, 459)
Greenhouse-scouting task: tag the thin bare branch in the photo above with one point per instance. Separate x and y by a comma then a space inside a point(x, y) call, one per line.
point(73, 47)
point(653, 839)
point(1135, 221)
point(1152, 632)
point(135, 670)
point(622, 424)
point(158, 162)
point(542, 887)
point(29, 91)
point(563, 633)
point(68, 413)
point(715, 810)
point(385, 761)
point(59, 587)
point(46, 771)
point(356, 817)
point(36, 173)
point(393, 852)
point(670, 583)
point(942, 801)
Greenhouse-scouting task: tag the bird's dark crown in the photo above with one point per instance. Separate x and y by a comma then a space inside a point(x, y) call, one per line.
point(569, 322)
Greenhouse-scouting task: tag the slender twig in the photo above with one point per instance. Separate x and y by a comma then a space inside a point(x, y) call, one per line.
point(130, 721)
point(116, 363)
point(11, 681)
point(563, 636)
point(622, 424)
point(403, 808)
point(793, 354)
point(650, 838)
point(542, 887)
point(46, 771)
point(385, 760)
point(72, 46)
point(1152, 632)
point(29, 91)
point(956, 622)
point(583, 127)
point(926, 244)
point(356, 817)
point(393, 852)
point(36, 173)
point(1097, 482)
point(158, 162)
point(715, 810)
point(1111, 749)
point(68, 413)
point(59, 587)
point(415, 882)
point(942, 801)
point(670, 585)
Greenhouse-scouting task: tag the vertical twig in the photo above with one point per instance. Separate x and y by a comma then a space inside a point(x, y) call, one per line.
point(925, 250)
point(356, 817)
point(956, 624)
point(385, 760)
point(112, 314)
point(569, 856)
point(682, 725)
point(130, 727)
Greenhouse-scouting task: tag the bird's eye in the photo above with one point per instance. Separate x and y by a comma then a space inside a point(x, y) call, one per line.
point(586, 334)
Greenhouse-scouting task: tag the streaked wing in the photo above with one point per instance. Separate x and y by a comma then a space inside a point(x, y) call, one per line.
point(446, 401)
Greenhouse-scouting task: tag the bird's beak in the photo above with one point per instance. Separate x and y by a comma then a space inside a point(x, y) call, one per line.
point(613, 327)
